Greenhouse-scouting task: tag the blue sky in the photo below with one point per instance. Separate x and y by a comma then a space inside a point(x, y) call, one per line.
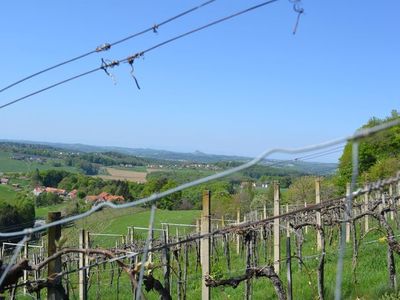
point(237, 88)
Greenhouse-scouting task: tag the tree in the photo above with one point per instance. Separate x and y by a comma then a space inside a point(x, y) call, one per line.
point(46, 199)
point(245, 196)
point(372, 150)
point(36, 178)
point(302, 190)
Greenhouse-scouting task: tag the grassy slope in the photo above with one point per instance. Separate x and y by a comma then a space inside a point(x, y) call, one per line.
point(11, 165)
point(371, 272)
point(117, 222)
point(7, 193)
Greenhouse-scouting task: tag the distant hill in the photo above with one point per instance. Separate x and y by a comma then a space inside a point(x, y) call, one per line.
point(197, 156)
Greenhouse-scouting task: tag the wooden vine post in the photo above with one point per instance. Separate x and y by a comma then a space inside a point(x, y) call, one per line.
point(391, 201)
point(26, 256)
point(82, 264)
point(306, 228)
point(54, 266)
point(205, 244)
point(237, 235)
point(288, 258)
point(318, 213)
point(348, 222)
point(265, 211)
point(276, 227)
point(366, 220)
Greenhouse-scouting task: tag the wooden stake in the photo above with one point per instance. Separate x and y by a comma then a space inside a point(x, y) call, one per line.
point(276, 228)
point(166, 262)
point(237, 235)
point(391, 201)
point(82, 264)
point(318, 214)
point(54, 266)
point(26, 256)
point(306, 228)
point(205, 244)
point(366, 218)
point(265, 211)
point(347, 223)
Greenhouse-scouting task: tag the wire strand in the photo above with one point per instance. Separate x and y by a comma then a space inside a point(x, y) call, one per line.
point(107, 46)
point(131, 58)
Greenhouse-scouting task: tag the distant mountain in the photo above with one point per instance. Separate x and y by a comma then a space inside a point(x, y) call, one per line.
point(197, 156)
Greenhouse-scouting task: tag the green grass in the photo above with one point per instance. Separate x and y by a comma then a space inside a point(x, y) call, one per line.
point(41, 212)
point(117, 222)
point(7, 164)
point(370, 282)
point(371, 271)
point(7, 193)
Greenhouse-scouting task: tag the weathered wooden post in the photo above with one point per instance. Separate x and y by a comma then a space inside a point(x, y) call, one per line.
point(398, 192)
point(391, 201)
point(166, 262)
point(26, 256)
point(82, 264)
point(205, 244)
point(348, 222)
point(318, 213)
point(87, 259)
point(237, 235)
point(150, 254)
point(198, 226)
point(167, 233)
point(366, 199)
point(288, 258)
point(276, 227)
point(265, 211)
point(54, 292)
point(132, 235)
point(306, 228)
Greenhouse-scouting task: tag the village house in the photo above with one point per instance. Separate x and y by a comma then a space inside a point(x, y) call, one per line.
point(72, 194)
point(38, 190)
point(4, 180)
point(104, 197)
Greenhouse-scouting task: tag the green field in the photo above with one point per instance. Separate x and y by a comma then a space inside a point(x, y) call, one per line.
point(41, 212)
point(117, 221)
point(370, 282)
point(7, 193)
point(7, 164)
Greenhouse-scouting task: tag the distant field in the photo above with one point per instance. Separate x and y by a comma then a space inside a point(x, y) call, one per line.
point(117, 222)
point(41, 212)
point(127, 174)
point(7, 193)
point(7, 164)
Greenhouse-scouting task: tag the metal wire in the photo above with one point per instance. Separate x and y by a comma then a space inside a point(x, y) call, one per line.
point(131, 58)
point(107, 46)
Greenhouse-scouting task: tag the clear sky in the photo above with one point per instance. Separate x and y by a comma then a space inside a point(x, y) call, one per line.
point(240, 87)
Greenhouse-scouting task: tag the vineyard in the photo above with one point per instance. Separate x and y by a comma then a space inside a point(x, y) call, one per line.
point(279, 252)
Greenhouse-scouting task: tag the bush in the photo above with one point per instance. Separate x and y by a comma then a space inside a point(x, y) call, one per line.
point(17, 215)
point(75, 207)
point(46, 199)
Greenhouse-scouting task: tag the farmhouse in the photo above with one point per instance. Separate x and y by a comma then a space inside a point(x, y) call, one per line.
point(38, 190)
point(72, 194)
point(104, 197)
point(4, 180)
